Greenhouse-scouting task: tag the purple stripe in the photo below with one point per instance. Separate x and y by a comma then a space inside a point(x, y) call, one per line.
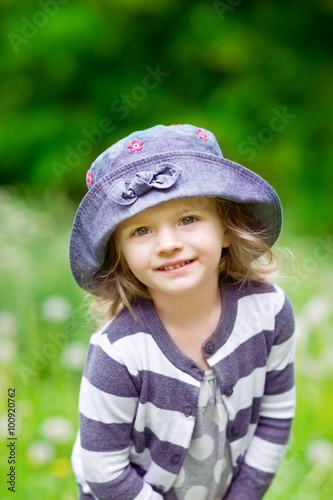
point(253, 287)
point(284, 323)
point(97, 436)
point(167, 455)
point(238, 427)
point(168, 393)
point(123, 325)
point(108, 375)
point(279, 381)
point(250, 484)
point(125, 487)
point(274, 430)
point(243, 361)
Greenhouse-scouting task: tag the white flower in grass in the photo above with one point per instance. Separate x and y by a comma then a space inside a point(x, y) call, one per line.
point(320, 452)
point(56, 308)
point(7, 350)
point(73, 356)
point(8, 323)
point(57, 429)
point(40, 453)
point(317, 309)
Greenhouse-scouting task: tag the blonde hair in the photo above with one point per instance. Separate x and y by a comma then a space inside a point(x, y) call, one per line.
point(247, 258)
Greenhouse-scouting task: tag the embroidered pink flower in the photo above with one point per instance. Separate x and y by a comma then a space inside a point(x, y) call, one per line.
point(89, 178)
point(174, 125)
point(135, 146)
point(201, 134)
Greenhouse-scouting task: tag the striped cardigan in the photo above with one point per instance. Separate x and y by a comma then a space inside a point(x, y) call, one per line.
point(139, 396)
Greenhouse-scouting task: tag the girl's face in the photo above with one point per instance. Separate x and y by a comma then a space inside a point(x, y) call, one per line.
point(175, 247)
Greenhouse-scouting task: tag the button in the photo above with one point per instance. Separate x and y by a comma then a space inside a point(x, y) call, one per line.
point(187, 410)
point(228, 390)
point(175, 458)
point(210, 347)
point(234, 430)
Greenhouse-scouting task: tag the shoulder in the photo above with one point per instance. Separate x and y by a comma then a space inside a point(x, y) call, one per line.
point(123, 325)
point(253, 288)
point(125, 336)
point(262, 294)
point(113, 349)
point(264, 304)
point(117, 331)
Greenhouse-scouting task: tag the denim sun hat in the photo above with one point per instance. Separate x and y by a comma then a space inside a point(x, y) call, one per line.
point(153, 166)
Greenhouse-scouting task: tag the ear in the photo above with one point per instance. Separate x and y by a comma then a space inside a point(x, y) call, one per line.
point(226, 238)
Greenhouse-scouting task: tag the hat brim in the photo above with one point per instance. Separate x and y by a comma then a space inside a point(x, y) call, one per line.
point(202, 175)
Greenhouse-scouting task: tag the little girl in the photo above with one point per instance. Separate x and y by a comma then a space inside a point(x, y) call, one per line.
point(188, 389)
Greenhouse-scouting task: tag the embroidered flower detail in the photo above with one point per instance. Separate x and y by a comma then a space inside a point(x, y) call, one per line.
point(135, 145)
point(201, 134)
point(174, 125)
point(89, 178)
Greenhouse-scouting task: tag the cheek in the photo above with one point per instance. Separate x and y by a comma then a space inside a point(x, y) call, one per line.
point(214, 239)
point(136, 256)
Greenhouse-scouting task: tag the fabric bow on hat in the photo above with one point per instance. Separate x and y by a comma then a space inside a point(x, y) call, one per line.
point(126, 192)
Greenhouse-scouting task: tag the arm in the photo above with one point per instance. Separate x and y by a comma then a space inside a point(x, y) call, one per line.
point(108, 401)
point(268, 445)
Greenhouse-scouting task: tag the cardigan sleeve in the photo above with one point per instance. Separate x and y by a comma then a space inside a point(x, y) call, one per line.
point(269, 443)
point(107, 404)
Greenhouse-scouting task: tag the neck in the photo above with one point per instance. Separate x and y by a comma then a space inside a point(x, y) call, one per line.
point(183, 311)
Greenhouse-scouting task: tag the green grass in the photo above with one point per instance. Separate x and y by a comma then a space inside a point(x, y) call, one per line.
point(44, 336)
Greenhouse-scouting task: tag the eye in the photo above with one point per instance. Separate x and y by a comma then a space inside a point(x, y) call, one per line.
point(141, 231)
point(187, 220)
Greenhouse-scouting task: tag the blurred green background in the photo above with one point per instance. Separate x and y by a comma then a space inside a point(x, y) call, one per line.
point(78, 76)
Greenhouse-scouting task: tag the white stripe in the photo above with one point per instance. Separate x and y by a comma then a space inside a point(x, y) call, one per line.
point(147, 493)
point(279, 405)
point(101, 467)
point(254, 314)
point(279, 300)
point(141, 351)
point(281, 355)
point(264, 455)
point(238, 448)
point(101, 340)
point(165, 478)
point(245, 390)
point(103, 407)
point(158, 421)
point(105, 467)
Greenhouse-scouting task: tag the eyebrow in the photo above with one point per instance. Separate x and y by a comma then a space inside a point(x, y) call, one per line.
point(179, 213)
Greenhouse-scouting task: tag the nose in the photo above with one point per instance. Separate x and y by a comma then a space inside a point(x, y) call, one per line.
point(168, 241)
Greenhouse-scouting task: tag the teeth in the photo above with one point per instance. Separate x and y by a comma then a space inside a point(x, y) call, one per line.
point(169, 268)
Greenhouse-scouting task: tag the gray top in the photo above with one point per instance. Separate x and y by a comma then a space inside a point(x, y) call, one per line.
point(207, 471)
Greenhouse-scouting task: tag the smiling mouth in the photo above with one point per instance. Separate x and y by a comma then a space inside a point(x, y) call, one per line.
point(176, 266)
